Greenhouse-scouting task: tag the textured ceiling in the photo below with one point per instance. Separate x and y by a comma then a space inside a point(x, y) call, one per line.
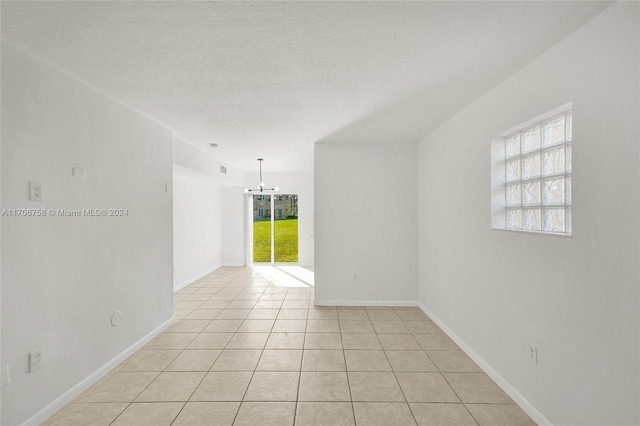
point(268, 79)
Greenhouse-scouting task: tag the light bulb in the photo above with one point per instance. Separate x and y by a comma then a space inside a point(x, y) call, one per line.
point(246, 190)
point(262, 184)
point(277, 188)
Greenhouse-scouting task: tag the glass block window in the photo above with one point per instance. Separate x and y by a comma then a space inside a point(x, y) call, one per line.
point(537, 174)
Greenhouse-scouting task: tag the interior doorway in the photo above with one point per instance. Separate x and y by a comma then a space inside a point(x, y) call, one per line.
point(274, 230)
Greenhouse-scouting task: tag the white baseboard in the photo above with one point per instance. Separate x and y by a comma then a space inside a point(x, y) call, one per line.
point(234, 264)
point(72, 393)
point(526, 406)
point(191, 280)
point(364, 302)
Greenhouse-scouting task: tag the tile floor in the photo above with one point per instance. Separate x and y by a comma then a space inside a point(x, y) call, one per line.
point(245, 351)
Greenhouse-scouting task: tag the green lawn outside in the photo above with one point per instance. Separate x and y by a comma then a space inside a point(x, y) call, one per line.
point(286, 240)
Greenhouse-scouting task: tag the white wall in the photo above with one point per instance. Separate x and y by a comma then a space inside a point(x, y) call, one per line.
point(63, 277)
point(197, 227)
point(198, 206)
point(234, 217)
point(575, 298)
point(366, 220)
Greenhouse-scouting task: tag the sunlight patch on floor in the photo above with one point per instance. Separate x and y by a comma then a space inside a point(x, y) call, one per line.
point(286, 276)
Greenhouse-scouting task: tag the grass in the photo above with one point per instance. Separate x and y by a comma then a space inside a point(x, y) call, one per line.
point(286, 240)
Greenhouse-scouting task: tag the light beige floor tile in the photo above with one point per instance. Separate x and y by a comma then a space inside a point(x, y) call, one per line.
point(203, 314)
point(436, 342)
point(237, 360)
point(356, 326)
point(453, 362)
point(263, 314)
point(295, 304)
point(178, 297)
point(426, 387)
point(256, 326)
point(194, 360)
point(273, 296)
point(197, 296)
point(117, 387)
point(323, 326)
point(324, 414)
point(360, 341)
point(187, 290)
point(266, 414)
point(207, 413)
point(149, 360)
point(389, 327)
point(323, 313)
point(299, 290)
point(206, 290)
point(171, 386)
point(289, 326)
point(223, 326)
point(353, 314)
point(171, 341)
point(411, 314)
point(410, 361)
point(366, 360)
point(189, 326)
point(268, 304)
point(187, 304)
point(247, 296)
point(273, 386)
point(422, 327)
point(500, 415)
point(223, 386)
point(324, 386)
point(323, 360)
point(248, 341)
point(280, 360)
point(477, 388)
point(179, 314)
point(233, 314)
point(296, 296)
point(437, 414)
point(210, 341)
point(241, 304)
point(323, 341)
point(149, 414)
point(382, 315)
point(399, 342)
point(97, 414)
point(291, 314)
point(285, 341)
point(383, 414)
point(214, 304)
point(375, 386)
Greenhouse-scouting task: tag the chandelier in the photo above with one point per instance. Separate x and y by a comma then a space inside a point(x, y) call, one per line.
point(261, 185)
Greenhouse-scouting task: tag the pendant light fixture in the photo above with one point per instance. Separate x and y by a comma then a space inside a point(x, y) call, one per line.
point(261, 185)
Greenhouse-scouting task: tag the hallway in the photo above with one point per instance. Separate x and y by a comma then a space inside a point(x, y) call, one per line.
point(248, 347)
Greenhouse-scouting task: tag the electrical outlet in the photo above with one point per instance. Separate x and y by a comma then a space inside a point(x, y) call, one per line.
point(35, 191)
point(355, 276)
point(35, 360)
point(533, 354)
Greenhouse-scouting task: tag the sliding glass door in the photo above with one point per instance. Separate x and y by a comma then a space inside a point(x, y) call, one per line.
point(275, 228)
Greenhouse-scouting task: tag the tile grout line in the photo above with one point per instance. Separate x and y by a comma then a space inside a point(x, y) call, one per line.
point(395, 376)
point(207, 372)
point(353, 408)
